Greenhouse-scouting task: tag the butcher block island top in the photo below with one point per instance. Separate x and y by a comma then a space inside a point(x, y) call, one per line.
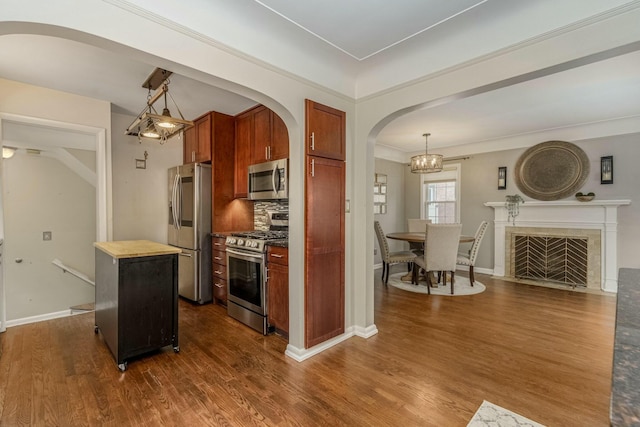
point(135, 248)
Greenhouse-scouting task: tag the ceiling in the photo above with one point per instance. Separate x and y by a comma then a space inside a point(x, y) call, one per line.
point(603, 89)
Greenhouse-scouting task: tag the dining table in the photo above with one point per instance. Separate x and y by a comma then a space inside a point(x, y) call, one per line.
point(418, 237)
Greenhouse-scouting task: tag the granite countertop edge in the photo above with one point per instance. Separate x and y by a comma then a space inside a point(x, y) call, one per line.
point(625, 397)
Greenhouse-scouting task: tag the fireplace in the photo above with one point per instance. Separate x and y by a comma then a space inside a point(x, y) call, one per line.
point(569, 256)
point(591, 226)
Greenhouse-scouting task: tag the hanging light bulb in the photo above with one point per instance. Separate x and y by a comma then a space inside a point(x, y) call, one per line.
point(166, 124)
point(150, 131)
point(426, 163)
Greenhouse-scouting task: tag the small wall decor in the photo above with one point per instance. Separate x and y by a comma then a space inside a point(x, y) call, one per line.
point(606, 170)
point(142, 164)
point(380, 194)
point(502, 178)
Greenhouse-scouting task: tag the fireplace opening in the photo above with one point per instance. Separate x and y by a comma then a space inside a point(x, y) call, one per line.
point(556, 259)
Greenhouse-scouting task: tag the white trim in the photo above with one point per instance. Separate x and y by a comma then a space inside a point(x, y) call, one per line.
point(40, 318)
point(302, 354)
point(367, 332)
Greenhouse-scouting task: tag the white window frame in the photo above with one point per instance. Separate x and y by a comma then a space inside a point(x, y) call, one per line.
point(450, 172)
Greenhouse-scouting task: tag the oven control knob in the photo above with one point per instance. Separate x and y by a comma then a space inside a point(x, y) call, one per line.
point(240, 242)
point(231, 240)
point(254, 244)
point(248, 243)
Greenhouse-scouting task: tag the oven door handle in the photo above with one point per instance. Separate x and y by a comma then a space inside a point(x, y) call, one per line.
point(245, 255)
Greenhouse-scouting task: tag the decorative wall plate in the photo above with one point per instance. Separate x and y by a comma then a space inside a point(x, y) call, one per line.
point(551, 170)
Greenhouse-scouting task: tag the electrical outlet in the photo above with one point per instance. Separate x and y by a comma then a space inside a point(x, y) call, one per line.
point(46, 235)
point(375, 251)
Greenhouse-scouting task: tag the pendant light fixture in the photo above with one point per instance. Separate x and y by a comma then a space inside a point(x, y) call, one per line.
point(149, 124)
point(426, 163)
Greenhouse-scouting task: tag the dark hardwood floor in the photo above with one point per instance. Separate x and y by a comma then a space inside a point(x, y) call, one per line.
point(543, 353)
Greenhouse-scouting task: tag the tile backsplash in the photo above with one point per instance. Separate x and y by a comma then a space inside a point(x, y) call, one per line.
point(261, 209)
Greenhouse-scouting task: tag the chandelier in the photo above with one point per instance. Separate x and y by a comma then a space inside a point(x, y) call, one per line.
point(149, 124)
point(426, 163)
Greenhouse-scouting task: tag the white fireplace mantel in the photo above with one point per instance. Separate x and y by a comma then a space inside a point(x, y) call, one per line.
point(596, 214)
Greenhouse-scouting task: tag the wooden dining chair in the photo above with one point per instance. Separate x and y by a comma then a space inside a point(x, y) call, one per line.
point(389, 258)
point(440, 252)
point(469, 259)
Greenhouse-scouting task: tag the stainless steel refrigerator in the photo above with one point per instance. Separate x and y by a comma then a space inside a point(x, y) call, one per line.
point(190, 229)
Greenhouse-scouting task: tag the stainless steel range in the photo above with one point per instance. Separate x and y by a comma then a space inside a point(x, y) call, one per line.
point(246, 272)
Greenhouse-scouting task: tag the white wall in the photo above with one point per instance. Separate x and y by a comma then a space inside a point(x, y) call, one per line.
point(140, 195)
point(41, 194)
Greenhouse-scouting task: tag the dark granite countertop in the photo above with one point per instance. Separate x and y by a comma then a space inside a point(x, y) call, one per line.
point(222, 234)
point(280, 243)
point(625, 388)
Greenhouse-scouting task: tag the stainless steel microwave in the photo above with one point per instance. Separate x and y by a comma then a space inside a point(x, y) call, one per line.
point(269, 180)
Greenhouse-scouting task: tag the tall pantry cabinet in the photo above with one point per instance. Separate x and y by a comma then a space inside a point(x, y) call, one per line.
point(324, 222)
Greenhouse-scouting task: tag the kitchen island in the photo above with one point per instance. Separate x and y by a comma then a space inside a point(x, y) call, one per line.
point(136, 306)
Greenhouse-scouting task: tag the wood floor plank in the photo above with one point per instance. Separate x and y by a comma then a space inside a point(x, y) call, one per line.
point(541, 352)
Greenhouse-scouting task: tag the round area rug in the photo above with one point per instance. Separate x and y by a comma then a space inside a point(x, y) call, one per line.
point(462, 286)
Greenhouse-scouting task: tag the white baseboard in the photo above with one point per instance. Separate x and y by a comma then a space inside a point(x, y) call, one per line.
point(302, 354)
point(367, 332)
point(39, 318)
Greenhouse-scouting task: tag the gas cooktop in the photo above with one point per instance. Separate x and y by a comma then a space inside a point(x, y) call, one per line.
point(255, 241)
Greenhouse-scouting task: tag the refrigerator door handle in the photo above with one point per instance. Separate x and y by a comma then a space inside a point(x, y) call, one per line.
point(178, 201)
point(174, 201)
point(183, 254)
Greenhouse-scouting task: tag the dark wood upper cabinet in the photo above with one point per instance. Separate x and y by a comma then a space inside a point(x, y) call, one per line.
point(244, 136)
point(279, 138)
point(212, 140)
point(325, 131)
point(261, 136)
point(197, 141)
point(324, 224)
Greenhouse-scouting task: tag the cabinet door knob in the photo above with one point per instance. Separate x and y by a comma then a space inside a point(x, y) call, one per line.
point(313, 141)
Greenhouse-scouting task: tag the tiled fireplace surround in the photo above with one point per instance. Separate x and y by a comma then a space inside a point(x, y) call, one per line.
point(597, 220)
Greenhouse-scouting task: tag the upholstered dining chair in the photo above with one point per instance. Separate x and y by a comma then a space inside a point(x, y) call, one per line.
point(469, 259)
point(417, 224)
point(389, 258)
point(440, 252)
